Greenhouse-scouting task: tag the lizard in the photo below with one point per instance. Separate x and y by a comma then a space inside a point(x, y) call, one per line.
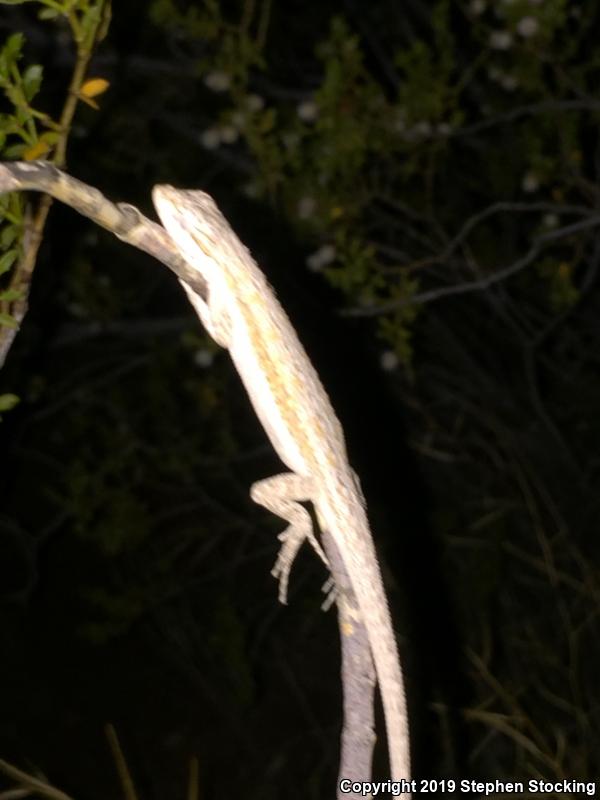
point(242, 314)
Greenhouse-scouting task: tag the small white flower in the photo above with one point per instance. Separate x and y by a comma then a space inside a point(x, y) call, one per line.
point(307, 110)
point(500, 40)
point(210, 138)
point(306, 207)
point(399, 120)
point(388, 361)
point(203, 358)
point(444, 129)
point(528, 26)
point(313, 262)
point(550, 220)
point(228, 134)
point(509, 82)
point(366, 301)
point(290, 140)
point(251, 189)
point(77, 310)
point(423, 128)
point(328, 254)
point(410, 135)
point(254, 102)
point(530, 182)
point(217, 81)
point(321, 257)
point(477, 7)
point(238, 119)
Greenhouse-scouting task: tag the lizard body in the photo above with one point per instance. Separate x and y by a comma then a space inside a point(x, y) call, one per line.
point(243, 314)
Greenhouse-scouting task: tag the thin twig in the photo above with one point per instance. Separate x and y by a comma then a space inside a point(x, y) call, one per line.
point(129, 792)
point(482, 283)
point(33, 784)
point(193, 786)
point(122, 219)
point(549, 107)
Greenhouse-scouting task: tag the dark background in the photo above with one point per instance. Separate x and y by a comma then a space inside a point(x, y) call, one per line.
point(134, 569)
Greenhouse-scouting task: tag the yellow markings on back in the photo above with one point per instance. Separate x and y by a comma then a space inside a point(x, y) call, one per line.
point(289, 391)
point(268, 328)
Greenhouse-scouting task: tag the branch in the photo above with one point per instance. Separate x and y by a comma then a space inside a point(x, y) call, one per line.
point(592, 221)
point(32, 784)
point(548, 107)
point(125, 221)
point(127, 785)
point(129, 225)
point(358, 677)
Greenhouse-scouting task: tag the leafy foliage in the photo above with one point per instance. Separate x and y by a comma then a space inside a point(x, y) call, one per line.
point(19, 131)
point(28, 133)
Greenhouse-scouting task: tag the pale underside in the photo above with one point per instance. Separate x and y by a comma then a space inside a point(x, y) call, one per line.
point(243, 315)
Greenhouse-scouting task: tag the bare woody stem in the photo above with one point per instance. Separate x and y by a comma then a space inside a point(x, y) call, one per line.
point(129, 224)
point(125, 221)
point(32, 784)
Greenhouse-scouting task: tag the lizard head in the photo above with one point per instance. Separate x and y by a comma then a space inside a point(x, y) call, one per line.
point(194, 222)
point(186, 213)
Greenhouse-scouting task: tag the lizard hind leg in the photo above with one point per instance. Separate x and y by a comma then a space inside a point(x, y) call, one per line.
point(282, 494)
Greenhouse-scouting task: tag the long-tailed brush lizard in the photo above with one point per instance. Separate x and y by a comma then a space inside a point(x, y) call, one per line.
point(243, 315)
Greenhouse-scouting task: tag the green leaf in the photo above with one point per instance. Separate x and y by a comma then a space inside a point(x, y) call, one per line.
point(8, 401)
point(8, 234)
point(22, 112)
point(47, 13)
point(14, 45)
point(7, 260)
point(8, 295)
point(8, 321)
point(32, 79)
point(9, 54)
point(50, 137)
point(14, 151)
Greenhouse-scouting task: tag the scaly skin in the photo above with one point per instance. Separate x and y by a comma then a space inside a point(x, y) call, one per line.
point(244, 315)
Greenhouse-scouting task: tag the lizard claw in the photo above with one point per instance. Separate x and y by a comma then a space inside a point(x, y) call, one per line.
point(330, 591)
point(291, 540)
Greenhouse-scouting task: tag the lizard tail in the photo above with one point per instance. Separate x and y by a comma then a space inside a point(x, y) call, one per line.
point(389, 676)
point(360, 559)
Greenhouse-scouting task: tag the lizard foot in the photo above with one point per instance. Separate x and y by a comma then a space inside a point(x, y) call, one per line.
point(291, 540)
point(330, 591)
